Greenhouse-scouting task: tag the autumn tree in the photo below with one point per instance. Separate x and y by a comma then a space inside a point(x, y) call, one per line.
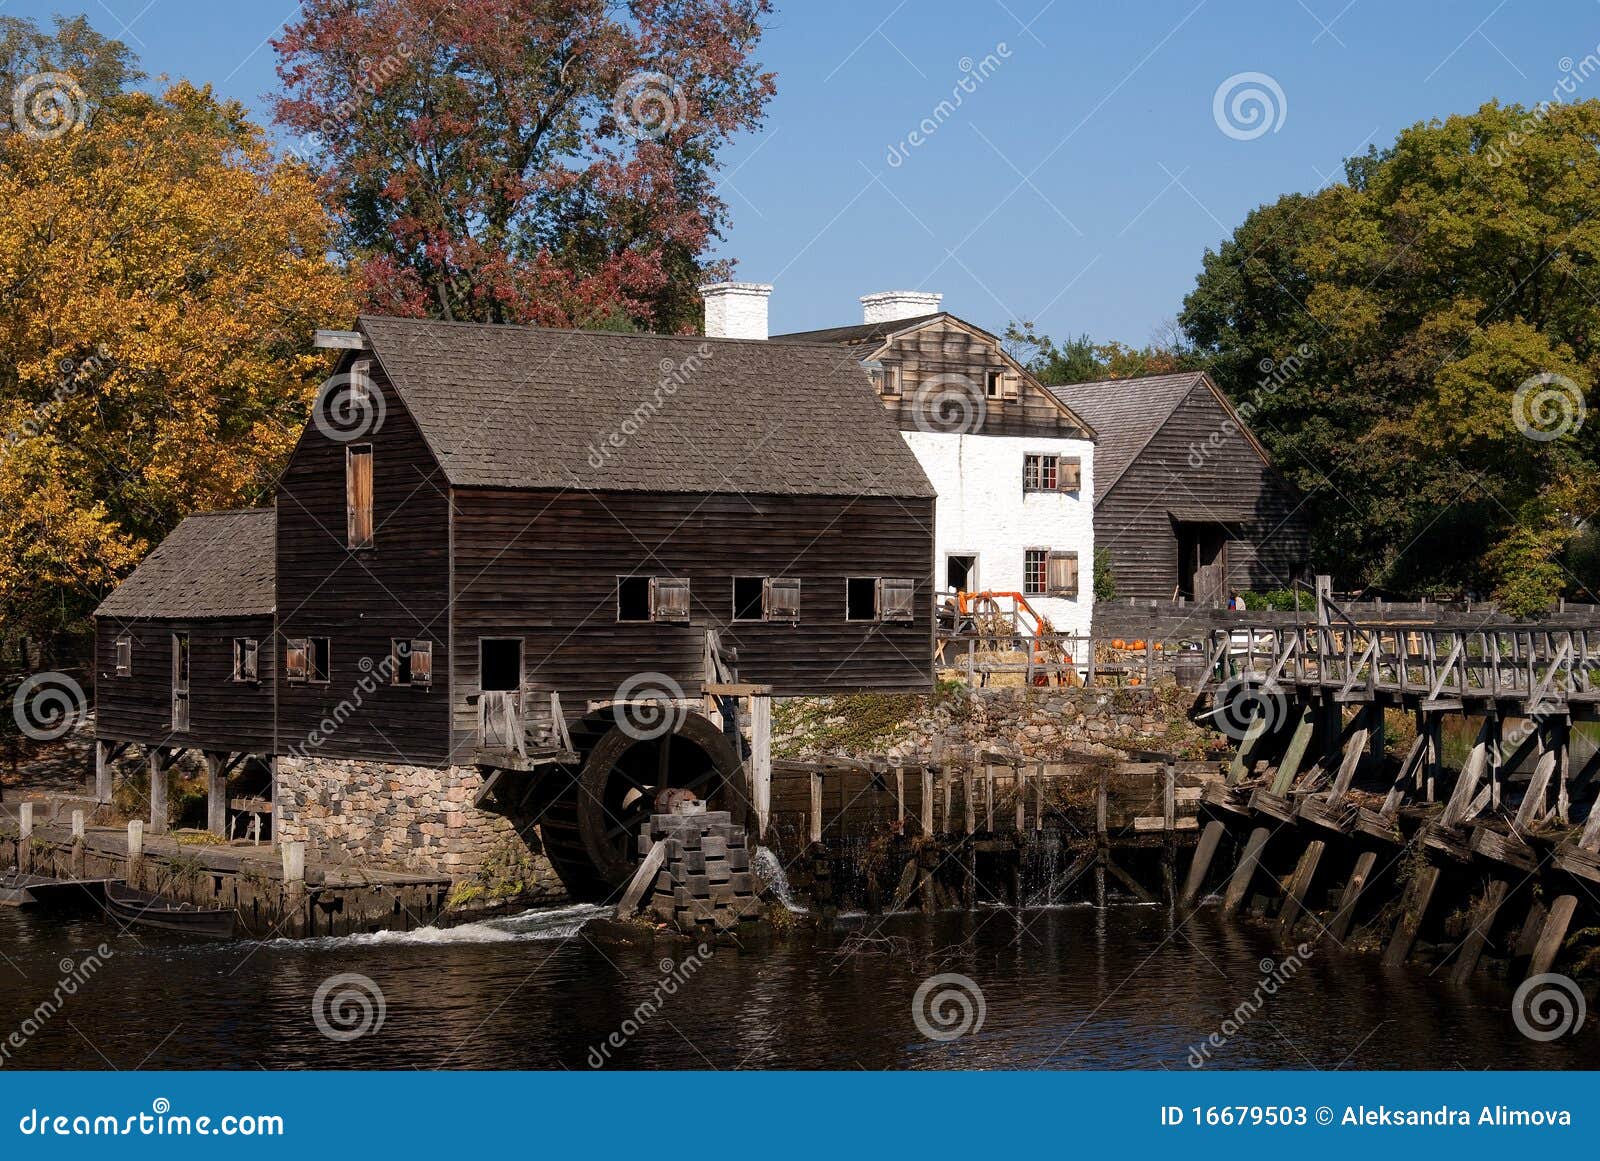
point(162, 275)
point(1418, 345)
point(545, 161)
point(1082, 360)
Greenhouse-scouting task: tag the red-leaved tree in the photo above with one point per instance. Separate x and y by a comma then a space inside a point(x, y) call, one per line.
point(545, 161)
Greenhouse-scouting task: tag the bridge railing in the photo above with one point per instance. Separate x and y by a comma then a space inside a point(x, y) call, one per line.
point(1531, 663)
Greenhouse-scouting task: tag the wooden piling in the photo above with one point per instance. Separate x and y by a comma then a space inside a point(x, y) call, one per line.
point(1351, 898)
point(1413, 910)
point(158, 791)
point(25, 837)
point(135, 868)
point(815, 833)
point(1239, 884)
point(988, 798)
point(216, 794)
point(1300, 887)
point(761, 763)
point(1482, 919)
point(1205, 850)
point(1038, 799)
point(900, 796)
point(927, 800)
point(1019, 782)
point(102, 772)
point(970, 807)
point(1551, 934)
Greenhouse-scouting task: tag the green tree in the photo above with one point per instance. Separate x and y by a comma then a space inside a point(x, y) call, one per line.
point(1082, 360)
point(1416, 345)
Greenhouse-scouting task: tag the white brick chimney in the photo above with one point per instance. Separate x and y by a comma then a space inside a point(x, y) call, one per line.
point(889, 305)
point(736, 310)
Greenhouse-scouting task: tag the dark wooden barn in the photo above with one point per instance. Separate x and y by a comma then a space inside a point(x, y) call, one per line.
point(184, 651)
point(1188, 503)
point(480, 517)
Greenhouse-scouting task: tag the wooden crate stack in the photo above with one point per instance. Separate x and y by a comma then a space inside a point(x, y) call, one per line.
point(705, 881)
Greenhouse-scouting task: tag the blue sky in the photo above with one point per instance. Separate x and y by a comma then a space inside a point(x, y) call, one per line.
point(1082, 180)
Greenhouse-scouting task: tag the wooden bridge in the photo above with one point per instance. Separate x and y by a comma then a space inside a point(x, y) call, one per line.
point(1320, 810)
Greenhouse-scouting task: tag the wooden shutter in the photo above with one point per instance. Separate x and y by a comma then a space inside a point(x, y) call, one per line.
point(669, 599)
point(422, 664)
point(294, 659)
point(245, 654)
point(358, 496)
point(124, 656)
point(1069, 477)
point(782, 601)
point(896, 599)
point(1063, 578)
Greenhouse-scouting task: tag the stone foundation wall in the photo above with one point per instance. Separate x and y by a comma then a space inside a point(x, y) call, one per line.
point(411, 817)
point(1039, 724)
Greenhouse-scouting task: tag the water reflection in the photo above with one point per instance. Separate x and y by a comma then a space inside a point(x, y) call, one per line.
point(1068, 987)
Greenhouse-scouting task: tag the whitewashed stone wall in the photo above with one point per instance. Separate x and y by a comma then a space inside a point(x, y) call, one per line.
point(983, 511)
point(391, 815)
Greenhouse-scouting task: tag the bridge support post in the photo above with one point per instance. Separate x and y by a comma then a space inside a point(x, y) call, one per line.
point(1205, 850)
point(1360, 876)
point(1300, 887)
point(1239, 885)
point(1483, 917)
point(1413, 909)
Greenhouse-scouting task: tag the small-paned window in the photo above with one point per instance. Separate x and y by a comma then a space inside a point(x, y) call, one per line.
point(1035, 572)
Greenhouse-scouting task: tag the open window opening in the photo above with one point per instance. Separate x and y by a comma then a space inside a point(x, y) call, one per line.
point(500, 664)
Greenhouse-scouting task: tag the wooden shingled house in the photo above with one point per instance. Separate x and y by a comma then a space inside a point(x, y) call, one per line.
point(1187, 502)
point(506, 562)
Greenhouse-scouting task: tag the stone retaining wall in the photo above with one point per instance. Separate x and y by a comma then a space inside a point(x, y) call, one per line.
point(1040, 724)
point(411, 817)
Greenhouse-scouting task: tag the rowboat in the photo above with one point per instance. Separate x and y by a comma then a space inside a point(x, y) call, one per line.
point(148, 909)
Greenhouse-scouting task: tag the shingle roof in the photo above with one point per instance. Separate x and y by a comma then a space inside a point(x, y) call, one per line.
point(867, 336)
point(1125, 413)
point(529, 407)
point(214, 564)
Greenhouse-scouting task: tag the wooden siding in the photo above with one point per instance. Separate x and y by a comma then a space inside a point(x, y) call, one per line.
point(361, 599)
point(543, 566)
point(945, 349)
point(223, 714)
point(1180, 470)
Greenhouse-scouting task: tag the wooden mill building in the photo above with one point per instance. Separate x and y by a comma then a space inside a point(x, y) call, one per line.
point(1187, 502)
point(493, 551)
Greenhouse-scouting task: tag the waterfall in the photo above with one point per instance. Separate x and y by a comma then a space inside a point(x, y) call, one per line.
point(770, 871)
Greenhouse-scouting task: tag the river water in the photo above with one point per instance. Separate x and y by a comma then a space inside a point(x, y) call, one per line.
point(1058, 988)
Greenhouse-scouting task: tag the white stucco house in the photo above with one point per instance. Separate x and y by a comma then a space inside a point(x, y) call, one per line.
point(1013, 464)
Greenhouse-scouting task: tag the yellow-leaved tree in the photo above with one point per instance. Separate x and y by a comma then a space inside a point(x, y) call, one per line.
point(162, 275)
